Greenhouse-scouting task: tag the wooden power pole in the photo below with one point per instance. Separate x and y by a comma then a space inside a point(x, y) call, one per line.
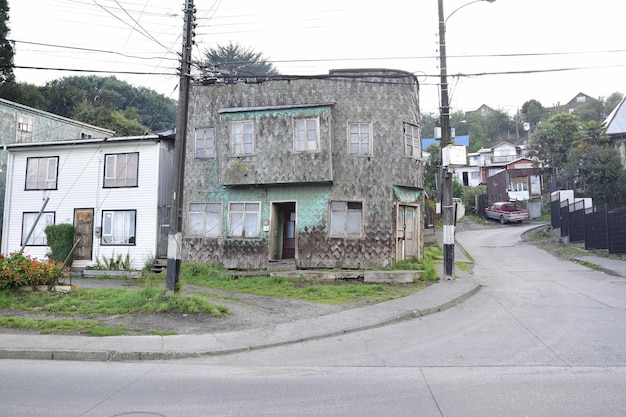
point(174, 241)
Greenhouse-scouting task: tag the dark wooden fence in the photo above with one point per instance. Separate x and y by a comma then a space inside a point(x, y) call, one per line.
point(598, 227)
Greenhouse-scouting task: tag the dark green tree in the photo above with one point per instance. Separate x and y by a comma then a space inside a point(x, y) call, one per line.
point(553, 139)
point(431, 170)
point(233, 60)
point(533, 112)
point(594, 133)
point(110, 118)
point(24, 93)
point(596, 172)
point(6, 48)
point(612, 101)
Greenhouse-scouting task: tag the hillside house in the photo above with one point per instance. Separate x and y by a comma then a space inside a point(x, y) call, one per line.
point(320, 171)
point(515, 180)
point(116, 192)
point(23, 124)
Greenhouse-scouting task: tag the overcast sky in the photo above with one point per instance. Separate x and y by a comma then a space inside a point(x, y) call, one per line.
point(508, 51)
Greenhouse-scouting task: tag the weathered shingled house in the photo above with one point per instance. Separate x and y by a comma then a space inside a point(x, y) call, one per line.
point(324, 170)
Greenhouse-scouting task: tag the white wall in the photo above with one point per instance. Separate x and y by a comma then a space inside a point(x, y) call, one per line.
point(80, 180)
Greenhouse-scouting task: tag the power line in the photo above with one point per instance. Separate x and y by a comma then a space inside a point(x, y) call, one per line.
point(76, 48)
point(90, 70)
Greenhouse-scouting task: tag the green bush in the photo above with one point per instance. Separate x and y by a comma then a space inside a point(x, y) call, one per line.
point(60, 240)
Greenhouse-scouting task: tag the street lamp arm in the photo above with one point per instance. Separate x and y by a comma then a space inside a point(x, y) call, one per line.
point(465, 5)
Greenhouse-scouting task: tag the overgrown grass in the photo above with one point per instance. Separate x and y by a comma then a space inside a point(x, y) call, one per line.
point(326, 292)
point(88, 327)
point(102, 302)
point(86, 302)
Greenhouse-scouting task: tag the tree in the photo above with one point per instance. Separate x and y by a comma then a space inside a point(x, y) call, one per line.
point(109, 118)
point(595, 134)
point(6, 48)
point(144, 109)
point(596, 171)
point(498, 124)
point(553, 139)
point(612, 101)
point(533, 112)
point(233, 60)
point(432, 170)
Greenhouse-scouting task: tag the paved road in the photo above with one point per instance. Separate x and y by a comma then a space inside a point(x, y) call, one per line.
point(543, 337)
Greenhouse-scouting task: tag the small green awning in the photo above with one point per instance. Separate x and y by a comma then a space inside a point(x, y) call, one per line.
point(407, 195)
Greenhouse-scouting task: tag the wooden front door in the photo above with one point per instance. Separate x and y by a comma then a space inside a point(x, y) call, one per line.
point(83, 225)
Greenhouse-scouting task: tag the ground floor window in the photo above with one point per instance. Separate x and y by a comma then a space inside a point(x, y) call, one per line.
point(118, 227)
point(244, 219)
point(38, 235)
point(346, 218)
point(204, 219)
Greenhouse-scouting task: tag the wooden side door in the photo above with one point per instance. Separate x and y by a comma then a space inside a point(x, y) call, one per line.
point(406, 236)
point(83, 225)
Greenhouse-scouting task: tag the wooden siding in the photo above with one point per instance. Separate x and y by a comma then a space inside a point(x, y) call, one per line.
point(80, 185)
point(386, 99)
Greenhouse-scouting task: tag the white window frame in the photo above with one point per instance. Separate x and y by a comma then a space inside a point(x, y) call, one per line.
point(412, 141)
point(360, 139)
point(346, 218)
point(116, 172)
point(24, 128)
point(42, 173)
point(242, 137)
point(38, 237)
point(244, 218)
point(205, 143)
point(306, 134)
point(205, 219)
point(119, 228)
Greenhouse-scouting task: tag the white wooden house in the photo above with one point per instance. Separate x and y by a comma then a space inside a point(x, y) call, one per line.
point(114, 191)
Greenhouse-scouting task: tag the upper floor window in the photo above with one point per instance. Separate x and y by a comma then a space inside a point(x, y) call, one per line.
point(346, 218)
point(205, 219)
point(38, 235)
point(41, 173)
point(24, 128)
point(242, 138)
point(306, 134)
point(121, 170)
point(244, 219)
point(359, 139)
point(205, 143)
point(411, 141)
point(118, 227)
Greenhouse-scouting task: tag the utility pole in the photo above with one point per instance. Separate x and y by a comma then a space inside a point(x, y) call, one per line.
point(174, 241)
point(446, 134)
point(446, 180)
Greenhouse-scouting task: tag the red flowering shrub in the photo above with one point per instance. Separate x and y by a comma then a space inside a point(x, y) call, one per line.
point(18, 270)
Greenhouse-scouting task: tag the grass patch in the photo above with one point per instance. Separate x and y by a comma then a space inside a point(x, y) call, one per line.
point(325, 292)
point(47, 326)
point(86, 302)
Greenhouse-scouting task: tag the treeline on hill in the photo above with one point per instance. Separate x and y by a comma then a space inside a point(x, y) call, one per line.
point(496, 126)
point(101, 101)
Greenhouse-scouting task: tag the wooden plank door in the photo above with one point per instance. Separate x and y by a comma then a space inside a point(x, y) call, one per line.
point(83, 225)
